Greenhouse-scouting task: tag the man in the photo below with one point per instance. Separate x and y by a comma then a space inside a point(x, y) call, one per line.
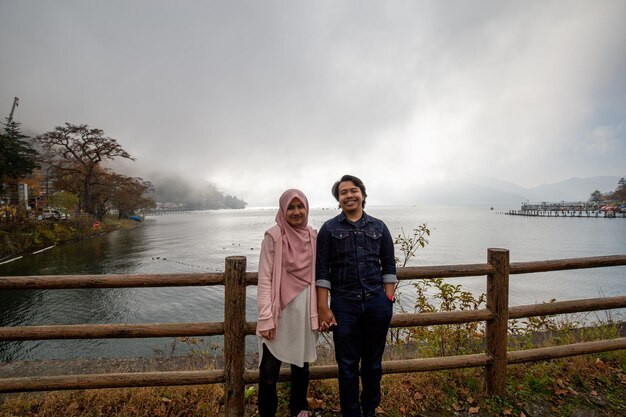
point(356, 264)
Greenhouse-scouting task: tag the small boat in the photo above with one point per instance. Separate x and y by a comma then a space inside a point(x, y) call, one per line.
point(135, 218)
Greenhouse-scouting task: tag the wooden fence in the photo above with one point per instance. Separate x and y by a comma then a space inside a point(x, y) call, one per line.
point(234, 328)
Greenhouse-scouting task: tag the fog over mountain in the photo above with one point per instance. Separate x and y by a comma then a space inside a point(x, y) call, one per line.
point(478, 190)
point(573, 189)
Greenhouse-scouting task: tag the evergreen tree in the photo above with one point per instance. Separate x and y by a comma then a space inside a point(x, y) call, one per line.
point(596, 197)
point(17, 156)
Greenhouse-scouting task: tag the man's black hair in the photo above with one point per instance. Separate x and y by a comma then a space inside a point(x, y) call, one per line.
point(356, 181)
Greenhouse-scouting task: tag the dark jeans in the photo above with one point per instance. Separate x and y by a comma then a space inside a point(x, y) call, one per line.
point(268, 376)
point(360, 336)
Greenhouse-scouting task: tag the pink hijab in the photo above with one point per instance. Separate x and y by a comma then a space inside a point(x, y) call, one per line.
point(297, 265)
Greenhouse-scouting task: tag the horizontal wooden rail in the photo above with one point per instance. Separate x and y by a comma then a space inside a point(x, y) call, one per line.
point(92, 331)
point(113, 380)
point(448, 317)
point(575, 349)
point(121, 380)
point(565, 307)
point(444, 271)
point(252, 278)
point(109, 331)
point(422, 272)
point(435, 364)
point(250, 328)
point(112, 331)
point(316, 372)
point(50, 282)
point(565, 264)
point(389, 367)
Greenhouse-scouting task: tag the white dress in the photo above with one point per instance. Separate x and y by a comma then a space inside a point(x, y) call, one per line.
point(294, 341)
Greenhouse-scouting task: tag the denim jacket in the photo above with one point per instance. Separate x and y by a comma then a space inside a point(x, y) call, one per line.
point(354, 257)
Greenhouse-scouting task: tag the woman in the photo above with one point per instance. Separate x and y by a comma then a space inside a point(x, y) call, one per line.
point(287, 304)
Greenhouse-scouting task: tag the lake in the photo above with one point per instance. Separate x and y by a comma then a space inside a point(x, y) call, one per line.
point(200, 241)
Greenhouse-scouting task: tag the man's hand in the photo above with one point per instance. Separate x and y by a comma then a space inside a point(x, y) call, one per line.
point(390, 291)
point(326, 319)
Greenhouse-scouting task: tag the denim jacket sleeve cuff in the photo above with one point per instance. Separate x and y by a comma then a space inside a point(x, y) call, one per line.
point(389, 279)
point(322, 283)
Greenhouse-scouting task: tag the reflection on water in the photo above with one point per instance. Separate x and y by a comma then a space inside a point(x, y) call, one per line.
point(201, 242)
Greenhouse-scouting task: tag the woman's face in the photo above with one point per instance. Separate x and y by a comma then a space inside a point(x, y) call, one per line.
point(296, 213)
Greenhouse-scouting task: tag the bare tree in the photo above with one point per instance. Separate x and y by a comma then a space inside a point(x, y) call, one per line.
point(76, 151)
point(125, 194)
point(620, 192)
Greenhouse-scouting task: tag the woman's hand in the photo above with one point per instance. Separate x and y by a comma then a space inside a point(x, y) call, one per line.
point(267, 334)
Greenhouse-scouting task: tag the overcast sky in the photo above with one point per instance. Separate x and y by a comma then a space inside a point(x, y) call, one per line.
point(260, 96)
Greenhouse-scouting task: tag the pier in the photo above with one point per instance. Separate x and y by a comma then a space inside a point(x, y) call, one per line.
point(574, 213)
point(569, 209)
point(176, 212)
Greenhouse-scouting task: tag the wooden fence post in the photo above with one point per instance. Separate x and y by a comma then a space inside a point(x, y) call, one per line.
point(496, 331)
point(234, 335)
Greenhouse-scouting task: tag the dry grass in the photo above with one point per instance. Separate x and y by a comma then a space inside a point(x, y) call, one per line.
point(162, 401)
point(593, 382)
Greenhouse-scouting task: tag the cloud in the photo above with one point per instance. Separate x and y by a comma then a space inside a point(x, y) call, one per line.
point(261, 96)
point(605, 139)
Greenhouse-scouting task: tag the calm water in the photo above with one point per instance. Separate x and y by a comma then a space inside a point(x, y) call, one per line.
point(200, 242)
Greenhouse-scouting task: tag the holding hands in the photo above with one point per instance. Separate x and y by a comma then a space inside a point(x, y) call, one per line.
point(326, 320)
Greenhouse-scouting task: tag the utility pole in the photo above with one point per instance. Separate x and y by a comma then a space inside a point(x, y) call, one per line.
point(16, 101)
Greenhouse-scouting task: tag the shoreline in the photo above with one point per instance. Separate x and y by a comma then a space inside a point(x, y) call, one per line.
point(52, 235)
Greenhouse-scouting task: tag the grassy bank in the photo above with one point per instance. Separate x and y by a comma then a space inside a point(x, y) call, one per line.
point(27, 236)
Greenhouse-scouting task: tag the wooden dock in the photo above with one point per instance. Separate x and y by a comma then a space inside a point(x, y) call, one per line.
point(575, 213)
point(176, 212)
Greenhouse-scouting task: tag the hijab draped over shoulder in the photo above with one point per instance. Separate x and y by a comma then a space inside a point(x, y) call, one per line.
point(297, 249)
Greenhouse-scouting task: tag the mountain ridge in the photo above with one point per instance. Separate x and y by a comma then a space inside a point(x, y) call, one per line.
point(480, 190)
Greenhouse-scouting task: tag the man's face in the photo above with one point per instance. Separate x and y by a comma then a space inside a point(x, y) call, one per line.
point(350, 197)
